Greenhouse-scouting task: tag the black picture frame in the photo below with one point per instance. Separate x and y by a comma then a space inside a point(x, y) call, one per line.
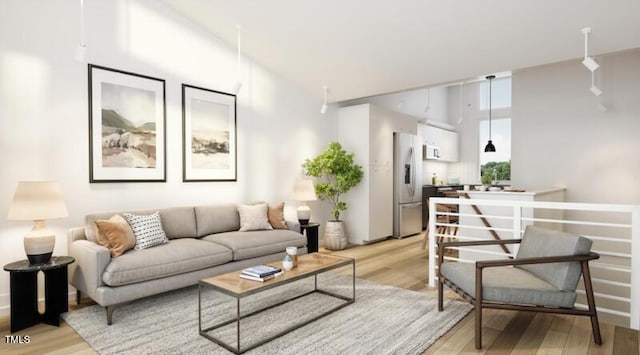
point(209, 135)
point(127, 126)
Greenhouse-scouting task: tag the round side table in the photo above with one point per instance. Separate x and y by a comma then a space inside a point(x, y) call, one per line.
point(24, 292)
point(311, 231)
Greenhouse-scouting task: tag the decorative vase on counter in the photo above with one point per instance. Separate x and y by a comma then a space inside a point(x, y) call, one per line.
point(335, 237)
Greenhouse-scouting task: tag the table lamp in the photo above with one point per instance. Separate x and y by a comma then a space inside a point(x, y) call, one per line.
point(304, 191)
point(38, 201)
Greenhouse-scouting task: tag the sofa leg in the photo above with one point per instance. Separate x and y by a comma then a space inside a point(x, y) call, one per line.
point(78, 297)
point(440, 293)
point(109, 310)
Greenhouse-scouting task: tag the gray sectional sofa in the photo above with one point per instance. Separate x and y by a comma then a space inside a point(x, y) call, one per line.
point(203, 241)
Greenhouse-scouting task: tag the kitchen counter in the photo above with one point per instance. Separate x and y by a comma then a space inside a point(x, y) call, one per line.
point(534, 193)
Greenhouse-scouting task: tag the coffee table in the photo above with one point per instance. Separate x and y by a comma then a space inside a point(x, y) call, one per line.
point(231, 284)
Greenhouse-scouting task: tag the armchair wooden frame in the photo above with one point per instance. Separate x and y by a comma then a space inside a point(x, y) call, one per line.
point(479, 303)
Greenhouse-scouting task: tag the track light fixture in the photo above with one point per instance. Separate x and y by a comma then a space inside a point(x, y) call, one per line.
point(588, 62)
point(323, 108)
point(490, 147)
point(594, 89)
point(238, 84)
point(428, 107)
point(81, 49)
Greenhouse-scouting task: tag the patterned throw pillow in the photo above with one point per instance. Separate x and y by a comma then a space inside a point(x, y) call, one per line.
point(147, 229)
point(253, 217)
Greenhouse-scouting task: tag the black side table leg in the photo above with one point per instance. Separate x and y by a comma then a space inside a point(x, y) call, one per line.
point(24, 300)
point(56, 296)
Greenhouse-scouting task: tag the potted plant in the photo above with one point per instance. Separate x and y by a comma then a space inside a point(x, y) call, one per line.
point(337, 173)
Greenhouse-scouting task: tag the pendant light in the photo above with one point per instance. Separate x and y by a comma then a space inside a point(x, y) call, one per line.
point(490, 147)
point(323, 108)
point(238, 85)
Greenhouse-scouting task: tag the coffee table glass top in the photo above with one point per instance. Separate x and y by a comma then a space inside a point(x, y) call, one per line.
point(308, 264)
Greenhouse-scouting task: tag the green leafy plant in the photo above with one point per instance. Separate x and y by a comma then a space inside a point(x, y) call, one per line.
point(486, 178)
point(337, 173)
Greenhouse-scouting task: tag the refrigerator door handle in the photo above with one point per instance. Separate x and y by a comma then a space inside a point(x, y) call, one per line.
point(412, 185)
point(409, 205)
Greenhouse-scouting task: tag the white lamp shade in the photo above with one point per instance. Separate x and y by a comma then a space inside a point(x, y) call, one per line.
point(37, 200)
point(304, 191)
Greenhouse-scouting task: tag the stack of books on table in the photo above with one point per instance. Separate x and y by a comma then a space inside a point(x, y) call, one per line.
point(260, 273)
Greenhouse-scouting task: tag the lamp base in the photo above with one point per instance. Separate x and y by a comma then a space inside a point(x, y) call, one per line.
point(303, 221)
point(39, 243)
point(38, 259)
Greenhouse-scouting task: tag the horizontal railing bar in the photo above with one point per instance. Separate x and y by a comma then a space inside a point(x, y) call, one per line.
point(609, 267)
point(606, 310)
point(609, 282)
point(609, 297)
point(473, 215)
point(479, 227)
point(481, 251)
point(608, 239)
point(596, 207)
point(585, 223)
point(610, 253)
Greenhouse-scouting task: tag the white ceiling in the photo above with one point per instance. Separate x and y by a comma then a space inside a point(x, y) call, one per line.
point(367, 47)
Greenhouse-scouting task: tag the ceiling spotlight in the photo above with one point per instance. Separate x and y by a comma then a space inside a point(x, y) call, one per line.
point(590, 64)
point(588, 61)
point(602, 107)
point(594, 89)
point(81, 49)
point(428, 107)
point(324, 107)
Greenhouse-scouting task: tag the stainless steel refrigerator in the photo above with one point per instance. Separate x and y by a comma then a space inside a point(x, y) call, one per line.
point(407, 185)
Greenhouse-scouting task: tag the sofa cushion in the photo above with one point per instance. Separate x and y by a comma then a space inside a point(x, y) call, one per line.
point(541, 242)
point(508, 285)
point(252, 244)
point(173, 258)
point(216, 219)
point(177, 222)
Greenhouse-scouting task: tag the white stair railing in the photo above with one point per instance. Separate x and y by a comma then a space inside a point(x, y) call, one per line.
point(620, 271)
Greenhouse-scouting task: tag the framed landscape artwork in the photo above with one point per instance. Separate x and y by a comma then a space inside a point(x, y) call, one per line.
point(126, 127)
point(209, 135)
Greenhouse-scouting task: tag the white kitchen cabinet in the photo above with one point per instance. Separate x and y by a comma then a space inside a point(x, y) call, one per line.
point(367, 131)
point(446, 140)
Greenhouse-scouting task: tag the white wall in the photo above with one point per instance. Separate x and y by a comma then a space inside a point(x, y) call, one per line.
point(560, 138)
point(412, 103)
point(44, 115)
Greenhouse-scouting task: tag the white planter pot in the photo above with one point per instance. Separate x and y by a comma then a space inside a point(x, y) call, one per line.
point(335, 237)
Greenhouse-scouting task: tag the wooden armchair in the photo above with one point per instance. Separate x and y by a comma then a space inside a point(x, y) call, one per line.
point(542, 278)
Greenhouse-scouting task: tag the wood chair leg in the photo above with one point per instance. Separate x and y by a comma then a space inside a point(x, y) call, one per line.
point(588, 289)
point(478, 308)
point(440, 295)
point(424, 240)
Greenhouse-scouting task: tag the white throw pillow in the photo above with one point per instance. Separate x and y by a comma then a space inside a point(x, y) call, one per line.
point(254, 217)
point(147, 229)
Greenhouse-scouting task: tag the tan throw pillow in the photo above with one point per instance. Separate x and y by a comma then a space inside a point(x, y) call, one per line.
point(116, 234)
point(253, 217)
point(275, 214)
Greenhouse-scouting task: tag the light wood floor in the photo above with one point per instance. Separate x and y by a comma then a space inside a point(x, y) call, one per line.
point(402, 263)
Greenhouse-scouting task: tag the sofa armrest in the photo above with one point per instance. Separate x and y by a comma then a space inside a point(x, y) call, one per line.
point(294, 226)
point(91, 261)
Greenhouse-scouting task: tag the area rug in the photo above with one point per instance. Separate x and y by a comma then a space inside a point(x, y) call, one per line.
point(383, 320)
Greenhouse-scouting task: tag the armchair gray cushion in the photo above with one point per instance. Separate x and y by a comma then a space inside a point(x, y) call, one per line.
point(508, 284)
point(541, 242)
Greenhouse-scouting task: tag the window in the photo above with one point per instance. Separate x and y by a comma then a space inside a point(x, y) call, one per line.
point(500, 94)
point(500, 160)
